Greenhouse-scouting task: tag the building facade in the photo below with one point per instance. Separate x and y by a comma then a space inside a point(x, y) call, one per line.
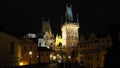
point(93, 49)
point(29, 52)
point(10, 50)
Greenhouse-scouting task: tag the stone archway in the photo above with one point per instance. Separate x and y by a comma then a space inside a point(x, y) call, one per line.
point(55, 56)
point(61, 55)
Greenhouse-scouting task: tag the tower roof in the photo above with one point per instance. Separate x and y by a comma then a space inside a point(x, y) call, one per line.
point(69, 17)
point(69, 13)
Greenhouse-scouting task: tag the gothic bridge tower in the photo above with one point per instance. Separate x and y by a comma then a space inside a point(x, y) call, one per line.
point(70, 36)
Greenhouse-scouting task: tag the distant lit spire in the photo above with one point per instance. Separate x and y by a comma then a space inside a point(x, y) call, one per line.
point(46, 26)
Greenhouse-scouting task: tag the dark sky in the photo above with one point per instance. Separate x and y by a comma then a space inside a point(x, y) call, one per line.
point(25, 15)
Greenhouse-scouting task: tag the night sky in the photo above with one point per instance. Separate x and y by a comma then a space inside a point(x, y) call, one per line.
point(25, 16)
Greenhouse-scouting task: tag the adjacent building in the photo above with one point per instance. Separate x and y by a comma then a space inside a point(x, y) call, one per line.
point(29, 52)
point(10, 50)
point(92, 50)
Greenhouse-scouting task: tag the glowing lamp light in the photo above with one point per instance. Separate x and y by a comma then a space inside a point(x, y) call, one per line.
point(37, 56)
point(48, 47)
point(54, 57)
point(59, 61)
point(51, 56)
point(21, 63)
point(69, 57)
point(30, 53)
point(57, 54)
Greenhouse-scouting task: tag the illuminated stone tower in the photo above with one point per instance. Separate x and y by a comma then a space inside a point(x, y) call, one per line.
point(46, 29)
point(46, 39)
point(70, 36)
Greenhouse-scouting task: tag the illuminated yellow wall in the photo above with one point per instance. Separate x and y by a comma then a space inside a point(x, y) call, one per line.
point(58, 40)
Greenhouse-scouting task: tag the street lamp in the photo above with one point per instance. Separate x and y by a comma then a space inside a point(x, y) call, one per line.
point(30, 53)
point(69, 57)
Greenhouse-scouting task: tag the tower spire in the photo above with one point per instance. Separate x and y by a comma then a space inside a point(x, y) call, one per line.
point(69, 13)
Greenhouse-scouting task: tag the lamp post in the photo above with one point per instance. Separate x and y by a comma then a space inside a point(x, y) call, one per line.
point(30, 53)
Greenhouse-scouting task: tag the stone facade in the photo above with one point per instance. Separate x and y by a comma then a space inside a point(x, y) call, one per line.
point(93, 49)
